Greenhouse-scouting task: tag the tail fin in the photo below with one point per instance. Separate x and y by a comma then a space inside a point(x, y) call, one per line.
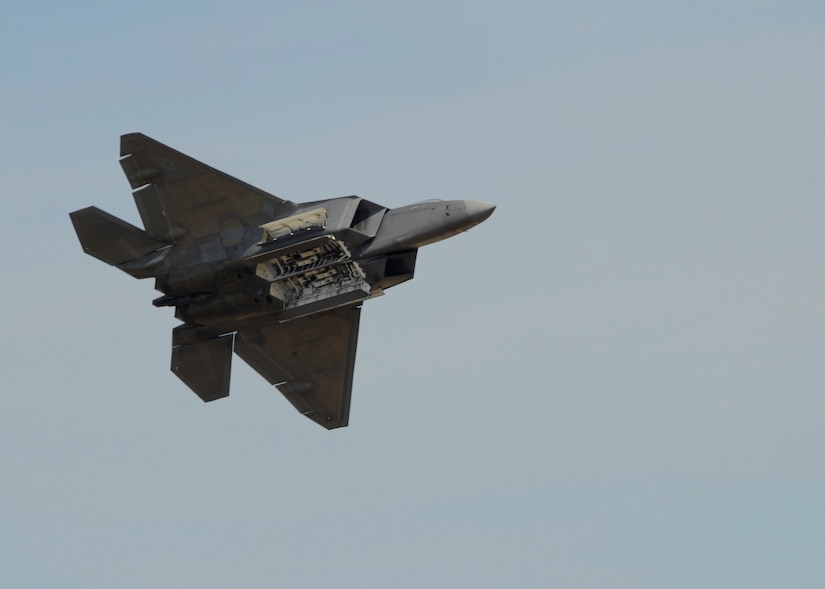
point(113, 240)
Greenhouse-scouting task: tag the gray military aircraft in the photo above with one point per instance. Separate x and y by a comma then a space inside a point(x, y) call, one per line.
point(278, 282)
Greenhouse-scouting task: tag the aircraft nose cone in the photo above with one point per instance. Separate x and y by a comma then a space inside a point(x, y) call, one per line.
point(478, 210)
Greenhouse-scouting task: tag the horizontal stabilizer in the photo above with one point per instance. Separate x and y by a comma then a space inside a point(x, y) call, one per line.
point(112, 240)
point(204, 367)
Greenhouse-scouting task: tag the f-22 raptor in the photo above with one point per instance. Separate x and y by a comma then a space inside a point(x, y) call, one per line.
point(279, 283)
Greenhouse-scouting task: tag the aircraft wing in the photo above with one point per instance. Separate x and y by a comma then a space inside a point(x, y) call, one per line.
point(182, 200)
point(310, 360)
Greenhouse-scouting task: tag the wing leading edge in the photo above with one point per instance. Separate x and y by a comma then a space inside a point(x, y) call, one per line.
point(310, 360)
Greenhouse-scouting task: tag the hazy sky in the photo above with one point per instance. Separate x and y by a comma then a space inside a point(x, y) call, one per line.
point(616, 381)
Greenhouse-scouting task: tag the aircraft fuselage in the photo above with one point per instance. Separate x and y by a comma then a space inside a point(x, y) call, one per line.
point(319, 263)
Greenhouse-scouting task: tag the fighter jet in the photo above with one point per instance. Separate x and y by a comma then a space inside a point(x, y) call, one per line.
point(279, 283)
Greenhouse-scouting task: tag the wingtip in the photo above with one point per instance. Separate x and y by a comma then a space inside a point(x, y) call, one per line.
point(129, 143)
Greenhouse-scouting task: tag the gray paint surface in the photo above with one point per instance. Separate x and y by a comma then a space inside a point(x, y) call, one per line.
point(288, 278)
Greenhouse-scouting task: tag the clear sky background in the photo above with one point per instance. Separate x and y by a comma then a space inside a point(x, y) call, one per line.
point(618, 380)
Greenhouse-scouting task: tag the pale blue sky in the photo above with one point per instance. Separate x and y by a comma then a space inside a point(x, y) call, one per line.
point(616, 381)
